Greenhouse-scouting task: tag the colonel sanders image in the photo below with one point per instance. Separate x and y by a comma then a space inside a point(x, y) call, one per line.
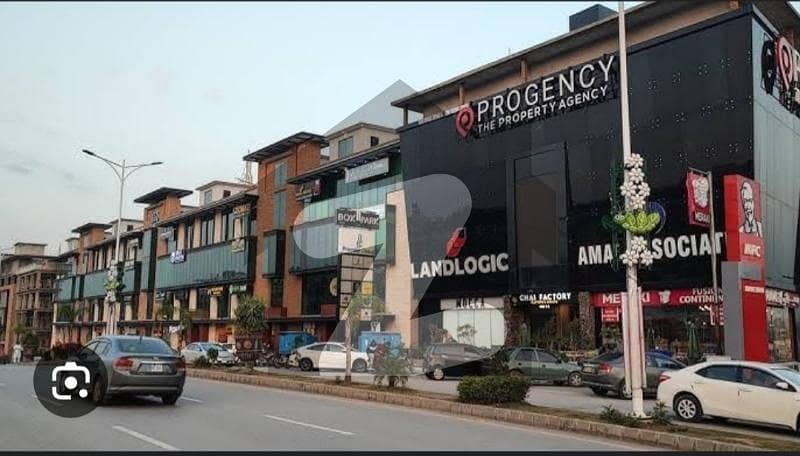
point(700, 187)
point(750, 224)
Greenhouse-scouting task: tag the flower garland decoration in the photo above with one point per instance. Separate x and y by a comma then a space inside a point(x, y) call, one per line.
point(635, 219)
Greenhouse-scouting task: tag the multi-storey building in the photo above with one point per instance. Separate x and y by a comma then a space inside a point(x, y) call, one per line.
point(27, 288)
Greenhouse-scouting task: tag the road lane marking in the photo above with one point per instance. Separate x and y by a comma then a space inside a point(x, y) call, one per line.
point(145, 438)
point(308, 425)
point(191, 399)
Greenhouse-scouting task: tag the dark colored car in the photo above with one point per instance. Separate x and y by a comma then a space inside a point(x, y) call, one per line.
point(544, 365)
point(607, 372)
point(453, 360)
point(134, 366)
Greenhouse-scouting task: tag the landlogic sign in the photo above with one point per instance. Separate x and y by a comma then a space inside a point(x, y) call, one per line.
point(562, 92)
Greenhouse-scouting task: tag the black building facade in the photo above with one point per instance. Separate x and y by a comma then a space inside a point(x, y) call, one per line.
point(539, 189)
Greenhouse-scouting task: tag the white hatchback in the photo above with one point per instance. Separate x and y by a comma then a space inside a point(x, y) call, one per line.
point(330, 355)
point(740, 390)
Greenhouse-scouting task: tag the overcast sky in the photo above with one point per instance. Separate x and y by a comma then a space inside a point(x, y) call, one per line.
point(198, 85)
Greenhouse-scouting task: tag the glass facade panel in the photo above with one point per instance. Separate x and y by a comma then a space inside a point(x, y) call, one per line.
point(212, 264)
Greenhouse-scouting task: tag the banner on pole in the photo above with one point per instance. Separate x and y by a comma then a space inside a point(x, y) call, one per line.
point(697, 197)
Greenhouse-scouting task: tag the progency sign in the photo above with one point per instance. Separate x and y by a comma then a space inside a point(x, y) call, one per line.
point(562, 92)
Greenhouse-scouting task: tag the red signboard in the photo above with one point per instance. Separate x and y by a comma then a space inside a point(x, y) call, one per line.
point(744, 232)
point(676, 297)
point(609, 315)
point(697, 199)
point(754, 310)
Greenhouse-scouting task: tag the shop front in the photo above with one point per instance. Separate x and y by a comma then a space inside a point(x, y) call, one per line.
point(782, 313)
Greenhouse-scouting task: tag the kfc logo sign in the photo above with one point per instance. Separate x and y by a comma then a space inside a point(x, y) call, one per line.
point(744, 230)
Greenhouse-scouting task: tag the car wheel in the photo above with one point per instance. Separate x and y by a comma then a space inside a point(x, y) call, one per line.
point(99, 391)
point(306, 365)
point(621, 391)
point(574, 379)
point(599, 391)
point(170, 399)
point(687, 408)
point(437, 373)
point(360, 365)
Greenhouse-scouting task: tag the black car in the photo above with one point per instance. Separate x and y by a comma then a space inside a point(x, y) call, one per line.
point(453, 360)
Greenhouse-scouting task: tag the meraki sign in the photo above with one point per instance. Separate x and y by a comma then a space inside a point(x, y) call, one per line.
point(570, 89)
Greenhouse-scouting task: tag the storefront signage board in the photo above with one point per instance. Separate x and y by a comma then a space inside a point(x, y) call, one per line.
point(567, 90)
point(697, 202)
point(675, 297)
point(367, 170)
point(357, 218)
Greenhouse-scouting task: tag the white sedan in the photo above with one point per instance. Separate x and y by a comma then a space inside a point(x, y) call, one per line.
point(330, 355)
point(739, 390)
point(196, 350)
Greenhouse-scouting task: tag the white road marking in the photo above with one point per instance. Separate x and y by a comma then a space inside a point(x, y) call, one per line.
point(191, 399)
point(309, 425)
point(145, 438)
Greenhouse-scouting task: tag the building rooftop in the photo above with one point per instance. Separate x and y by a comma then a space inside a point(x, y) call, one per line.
point(358, 125)
point(351, 161)
point(378, 110)
point(219, 182)
point(88, 226)
point(283, 145)
point(250, 195)
point(161, 193)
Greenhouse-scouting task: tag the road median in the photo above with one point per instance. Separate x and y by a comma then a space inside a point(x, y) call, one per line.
point(679, 439)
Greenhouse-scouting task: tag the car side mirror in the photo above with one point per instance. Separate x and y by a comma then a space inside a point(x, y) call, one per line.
point(783, 386)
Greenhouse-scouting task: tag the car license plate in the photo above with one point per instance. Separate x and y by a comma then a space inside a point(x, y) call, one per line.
point(154, 368)
point(588, 370)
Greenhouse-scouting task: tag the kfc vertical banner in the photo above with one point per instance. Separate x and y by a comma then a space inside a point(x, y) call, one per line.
point(744, 231)
point(697, 198)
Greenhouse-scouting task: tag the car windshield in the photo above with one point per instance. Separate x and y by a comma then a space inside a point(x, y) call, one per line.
point(218, 347)
point(154, 346)
point(789, 374)
point(606, 357)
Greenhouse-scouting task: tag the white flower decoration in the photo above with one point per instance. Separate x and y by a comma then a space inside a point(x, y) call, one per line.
point(644, 189)
point(646, 258)
point(629, 258)
point(634, 161)
point(638, 244)
point(627, 189)
point(636, 175)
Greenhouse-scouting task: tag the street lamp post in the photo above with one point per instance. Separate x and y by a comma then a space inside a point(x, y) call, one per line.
point(632, 310)
point(123, 171)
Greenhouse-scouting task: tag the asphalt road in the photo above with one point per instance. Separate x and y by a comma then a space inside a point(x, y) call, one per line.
point(223, 416)
point(563, 397)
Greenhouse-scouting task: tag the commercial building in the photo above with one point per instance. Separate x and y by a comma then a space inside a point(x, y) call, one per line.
point(27, 287)
point(532, 138)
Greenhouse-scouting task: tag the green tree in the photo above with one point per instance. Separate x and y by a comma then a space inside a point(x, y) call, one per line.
point(67, 313)
point(352, 319)
point(249, 321)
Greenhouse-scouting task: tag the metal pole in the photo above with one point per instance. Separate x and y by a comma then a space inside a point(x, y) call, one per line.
point(715, 287)
point(633, 345)
point(112, 320)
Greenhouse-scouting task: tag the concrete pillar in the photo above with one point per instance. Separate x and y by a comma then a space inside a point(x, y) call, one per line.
point(193, 299)
point(233, 304)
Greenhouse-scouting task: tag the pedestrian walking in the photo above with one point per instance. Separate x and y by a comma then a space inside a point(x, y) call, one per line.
point(17, 354)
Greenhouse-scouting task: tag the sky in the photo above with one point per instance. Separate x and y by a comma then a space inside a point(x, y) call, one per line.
point(199, 85)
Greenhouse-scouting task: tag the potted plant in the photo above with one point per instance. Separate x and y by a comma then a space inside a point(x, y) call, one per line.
point(249, 322)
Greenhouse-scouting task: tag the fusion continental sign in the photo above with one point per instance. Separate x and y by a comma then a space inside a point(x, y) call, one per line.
point(570, 89)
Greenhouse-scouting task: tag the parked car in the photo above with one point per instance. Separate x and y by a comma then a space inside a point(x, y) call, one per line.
point(196, 350)
point(230, 347)
point(740, 390)
point(607, 372)
point(452, 360)
point(330, 355)
point(133, 365)
point(543, 365)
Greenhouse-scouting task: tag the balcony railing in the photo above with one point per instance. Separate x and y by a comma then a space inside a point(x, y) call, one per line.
point(219, 263)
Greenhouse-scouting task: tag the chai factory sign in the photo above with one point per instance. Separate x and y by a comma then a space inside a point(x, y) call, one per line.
point(570, 89)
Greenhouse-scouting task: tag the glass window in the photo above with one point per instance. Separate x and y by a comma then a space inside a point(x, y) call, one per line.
point(345, 147)
point(374, 141)
point(223, 304)
point(189, 243)
point(792, 375)
point(316, 292)
point(141, 345)
point(525, 355)
point(203, 299)
point(662, 362)
point(725, 373)
point(546, 357)
point(206, 232)
point(276, 293)
point(317, 347)
point(279, 209)
point(334, 348)
point(226, 193)
point(472, 351)
point(227, 225)
point(207, 196)
point(758, 377)
point(280, 174)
